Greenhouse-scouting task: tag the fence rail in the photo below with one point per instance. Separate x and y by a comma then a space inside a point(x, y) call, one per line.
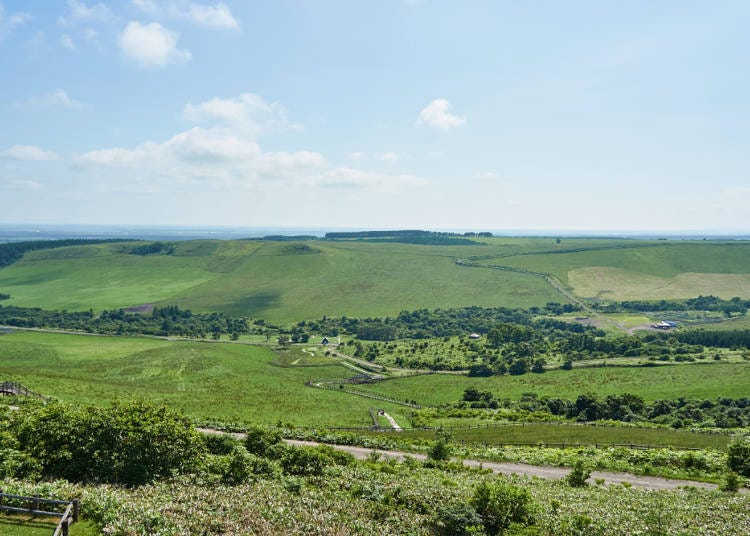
point(67, 517)
point(17, 389)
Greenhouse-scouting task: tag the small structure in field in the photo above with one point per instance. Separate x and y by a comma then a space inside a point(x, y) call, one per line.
point(325, 341)
point(475, 336)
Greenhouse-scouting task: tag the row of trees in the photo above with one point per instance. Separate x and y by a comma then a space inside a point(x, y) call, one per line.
point(715, 413)
point(162, 321)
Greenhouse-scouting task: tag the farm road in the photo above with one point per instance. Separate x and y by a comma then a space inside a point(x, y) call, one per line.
point(507, 468)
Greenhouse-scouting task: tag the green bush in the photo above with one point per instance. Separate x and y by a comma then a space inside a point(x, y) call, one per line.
point(738, 455)
point(304, 461)
point(440, 450)
point(220, 443)
point(457, 519)
point(243, 467)
point(500, 505)
point(130, 443)
point(578, 475)
point(258, 440)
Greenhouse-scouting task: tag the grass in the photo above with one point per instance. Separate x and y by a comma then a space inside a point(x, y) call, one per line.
point(215, 381)
point(284, 282)
point(692, 381)
point(646, 270)
point(573, 434)
point(267, 280)
point(18, 525)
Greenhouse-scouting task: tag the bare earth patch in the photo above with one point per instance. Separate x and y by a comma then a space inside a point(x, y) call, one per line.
point(616, 284)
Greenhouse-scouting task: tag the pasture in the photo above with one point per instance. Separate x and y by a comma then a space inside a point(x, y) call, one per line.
point(214, 381)
point(573, 434)
point(290, 281)
point(669, 382)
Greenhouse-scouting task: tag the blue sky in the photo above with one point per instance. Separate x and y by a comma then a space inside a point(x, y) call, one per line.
point(493, 115)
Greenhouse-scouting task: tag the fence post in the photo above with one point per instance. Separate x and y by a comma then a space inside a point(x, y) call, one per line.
point(65, 527)
point(35, 502)
point(76, 510)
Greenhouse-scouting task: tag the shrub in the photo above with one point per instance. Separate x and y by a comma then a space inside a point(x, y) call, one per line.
point(730, 482)
point(220, 443)
point(738, 455)
point(500, 505)
point(456, 519)
point(130, 443)
point(258, 440)
point(578, 475)
point(304, 461)
point(440, 450)
point(243, 466)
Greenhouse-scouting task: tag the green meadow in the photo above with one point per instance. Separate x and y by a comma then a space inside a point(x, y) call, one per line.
point(215, 381)
point(669, 382)
point(290, 281)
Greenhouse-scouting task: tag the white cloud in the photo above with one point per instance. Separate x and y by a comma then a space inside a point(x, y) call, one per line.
point(389, 157)
point(485, 175)
point(29, 152)
point(216, 16)
point(198, 155)
point(437, 114)
point(344, 177)
point(356, 155)
point(151, 45)
point(248, 112)
point(56, 100)
point(67, 42)
point(80, 11)
point(212, 15)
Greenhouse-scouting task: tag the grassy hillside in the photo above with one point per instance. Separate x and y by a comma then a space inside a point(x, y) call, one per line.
point(290, 281)
point(229, 382)
point(637, 270)
point(278, 281)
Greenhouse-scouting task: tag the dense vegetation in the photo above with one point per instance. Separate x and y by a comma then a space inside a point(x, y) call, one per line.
point(734, 305)
point(427, 238)
point(13, 251)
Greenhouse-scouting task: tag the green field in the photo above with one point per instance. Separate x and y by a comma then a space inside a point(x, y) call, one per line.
point(574, 434)
point(637, 270)
point(284, 282)
point(692, 381)
point(40, 526)
point(227, 382)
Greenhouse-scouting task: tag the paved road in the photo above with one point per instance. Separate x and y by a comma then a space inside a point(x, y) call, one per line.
point(508, 468)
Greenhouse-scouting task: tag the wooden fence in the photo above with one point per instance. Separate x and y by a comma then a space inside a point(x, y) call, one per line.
point(67, 517)
point(16, 389)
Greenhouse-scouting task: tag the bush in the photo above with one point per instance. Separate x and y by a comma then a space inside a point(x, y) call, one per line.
point(738, 455)
point(457, 519)
point(730, 483)
point(130, 443)
point(500, 505)
point(220, 443)
point(258, 440)
point(304, 461)
point(243, 467)
point(440, 450)
point(578, 475)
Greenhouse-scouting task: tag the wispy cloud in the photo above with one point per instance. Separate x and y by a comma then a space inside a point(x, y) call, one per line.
point(248, 112)
point(58, 99)
point(217, 15)
point(81, 12)
point(10, 21)
point(29, 153)
point(437, 114)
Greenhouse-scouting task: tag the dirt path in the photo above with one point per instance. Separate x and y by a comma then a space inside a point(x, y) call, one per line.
point(393, 422)
point(508, 468)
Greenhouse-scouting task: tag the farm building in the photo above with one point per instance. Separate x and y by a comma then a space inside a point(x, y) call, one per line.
point(475, 336)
